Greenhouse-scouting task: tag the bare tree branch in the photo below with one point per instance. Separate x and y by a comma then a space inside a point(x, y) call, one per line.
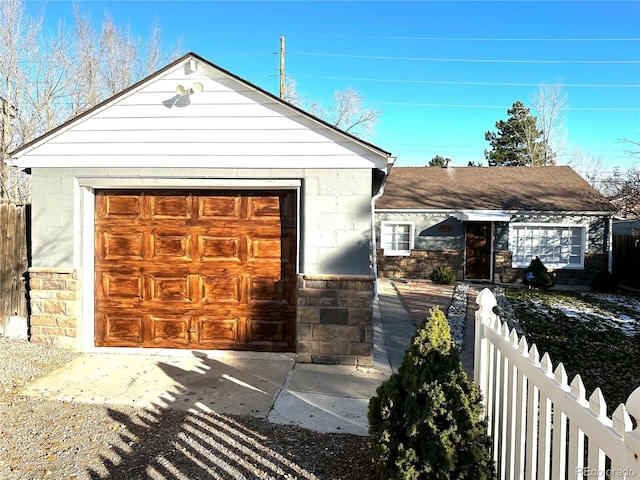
point(550, 105)
point(347, 112)
point(48, 78)
point(634, 146)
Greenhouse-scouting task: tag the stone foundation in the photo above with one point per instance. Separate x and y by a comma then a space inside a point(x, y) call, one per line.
point(593, 263)
point(420, 263)
point(335, 319)
point(54, 294)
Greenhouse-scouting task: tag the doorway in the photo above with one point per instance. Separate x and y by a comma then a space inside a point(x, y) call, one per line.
point(478, 251)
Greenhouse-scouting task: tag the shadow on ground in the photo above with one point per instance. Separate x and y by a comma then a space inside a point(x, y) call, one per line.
point(182, 438)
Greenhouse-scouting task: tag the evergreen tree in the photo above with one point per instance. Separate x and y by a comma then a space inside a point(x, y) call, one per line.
point(426, 421)
point(518, 142)
point(438, 161)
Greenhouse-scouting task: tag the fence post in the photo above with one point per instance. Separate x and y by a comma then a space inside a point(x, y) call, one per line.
point(484, 318)
point(632, 437)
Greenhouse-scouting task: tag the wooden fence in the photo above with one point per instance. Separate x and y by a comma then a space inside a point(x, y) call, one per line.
point(13, 263)
point(542, 426)
point(626, 259)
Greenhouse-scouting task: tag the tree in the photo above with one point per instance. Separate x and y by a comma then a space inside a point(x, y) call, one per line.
point(426, 421)
point(592, 169)
point(46, 77)
point(622, 189)
point(348, 111)
point(439, 161)
point(634, 146)
point(518, 141)
point(550, 105)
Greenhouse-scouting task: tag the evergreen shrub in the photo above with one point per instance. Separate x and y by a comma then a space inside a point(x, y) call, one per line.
point(442, 275)
point(536, 275)
point(426, 421)
point(604, 281)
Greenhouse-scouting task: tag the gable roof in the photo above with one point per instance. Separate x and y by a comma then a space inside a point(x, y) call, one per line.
point(190, 67)
point(558, 189)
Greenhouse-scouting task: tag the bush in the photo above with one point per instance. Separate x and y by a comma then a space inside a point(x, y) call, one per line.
point(536, 275)
point(443, 275)
point(426, 421)
point(604, 281)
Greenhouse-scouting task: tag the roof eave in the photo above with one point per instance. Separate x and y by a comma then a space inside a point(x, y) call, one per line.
point(454, 211)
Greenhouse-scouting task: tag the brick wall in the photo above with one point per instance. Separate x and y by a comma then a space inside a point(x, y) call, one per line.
point(335, 319)
point(54, 294)
point(420, 263)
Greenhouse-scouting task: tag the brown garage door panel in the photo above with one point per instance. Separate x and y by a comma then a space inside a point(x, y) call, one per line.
point(218, 331)
point(168, 331)
point(118, 288)
point(121, 330)
point(196, 270)
point(264, 331)
point(125, 205)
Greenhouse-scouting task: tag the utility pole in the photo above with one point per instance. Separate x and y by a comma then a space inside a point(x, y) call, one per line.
point(281, 66)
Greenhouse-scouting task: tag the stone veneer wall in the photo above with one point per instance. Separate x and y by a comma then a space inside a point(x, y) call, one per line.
point(335, 319)
point(54, 294)
point(420, 263)
point(504, 273)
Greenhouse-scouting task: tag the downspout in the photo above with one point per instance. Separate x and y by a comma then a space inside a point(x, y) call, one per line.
point(374, 246)
point(374, 255)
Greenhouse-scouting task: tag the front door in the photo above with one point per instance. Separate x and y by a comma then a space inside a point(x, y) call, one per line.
point(478, 251)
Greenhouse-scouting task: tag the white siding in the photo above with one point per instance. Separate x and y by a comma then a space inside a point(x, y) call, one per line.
point(227, 125)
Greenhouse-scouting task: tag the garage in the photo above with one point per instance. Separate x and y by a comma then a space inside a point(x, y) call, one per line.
point(195, 210)
point(196, 269)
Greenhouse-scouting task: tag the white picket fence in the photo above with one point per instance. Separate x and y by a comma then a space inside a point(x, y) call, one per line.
point(542, 426)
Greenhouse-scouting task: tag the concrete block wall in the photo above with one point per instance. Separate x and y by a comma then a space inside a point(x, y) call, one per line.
point(54, 307)
point(335, 209)
point(336, 217)
point(335, 319)
point(53, 219)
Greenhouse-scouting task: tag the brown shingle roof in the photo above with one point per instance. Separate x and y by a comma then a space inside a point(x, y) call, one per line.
point(490, 188)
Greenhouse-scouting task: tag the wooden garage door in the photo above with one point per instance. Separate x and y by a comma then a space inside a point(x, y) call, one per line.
point(196, 270)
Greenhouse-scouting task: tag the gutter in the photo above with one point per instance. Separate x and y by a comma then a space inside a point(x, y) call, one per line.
point(450, 211)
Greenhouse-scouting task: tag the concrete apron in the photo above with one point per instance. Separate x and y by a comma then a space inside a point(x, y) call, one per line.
point(232, 383)
point(322, 398)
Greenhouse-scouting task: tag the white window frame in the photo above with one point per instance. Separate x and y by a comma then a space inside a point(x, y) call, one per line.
point(388, 252)
point(539, 238)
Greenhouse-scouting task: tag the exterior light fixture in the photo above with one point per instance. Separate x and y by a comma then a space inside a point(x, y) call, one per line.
point(195, 88)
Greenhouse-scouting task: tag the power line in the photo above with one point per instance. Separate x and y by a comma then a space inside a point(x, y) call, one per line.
point(479, 39)
point(460, 60)
point(445, 82)
point(502, 107)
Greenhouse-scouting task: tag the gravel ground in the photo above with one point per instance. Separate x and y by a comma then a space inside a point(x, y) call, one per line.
point(45, 439)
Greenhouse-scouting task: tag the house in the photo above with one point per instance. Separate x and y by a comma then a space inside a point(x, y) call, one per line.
point(488, 223)
point(195, 210)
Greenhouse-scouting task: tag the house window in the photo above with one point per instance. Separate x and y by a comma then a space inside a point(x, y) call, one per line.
point(557, 246)
point(397, 238)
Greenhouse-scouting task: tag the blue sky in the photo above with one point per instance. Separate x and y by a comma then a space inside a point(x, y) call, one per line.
point(442, 73)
